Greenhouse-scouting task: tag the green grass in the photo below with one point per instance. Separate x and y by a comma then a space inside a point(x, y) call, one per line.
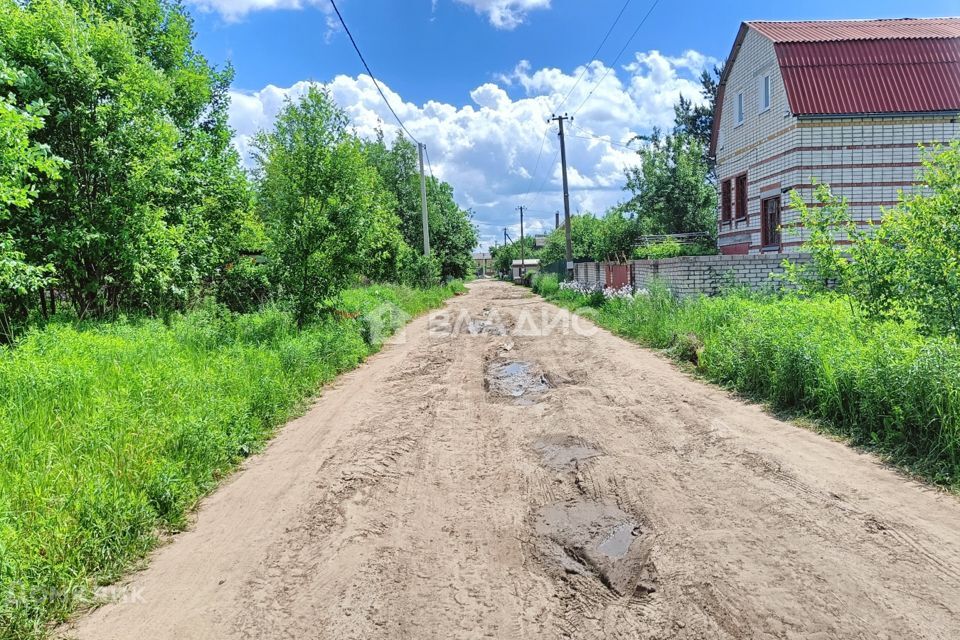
point(111, 432)
point(882, 385)
point(546, 284)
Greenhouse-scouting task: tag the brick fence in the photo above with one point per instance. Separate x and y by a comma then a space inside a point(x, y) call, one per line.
point(691, 275)
point(590, 273)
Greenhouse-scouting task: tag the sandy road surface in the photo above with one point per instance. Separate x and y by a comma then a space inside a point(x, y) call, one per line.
point(465, 484)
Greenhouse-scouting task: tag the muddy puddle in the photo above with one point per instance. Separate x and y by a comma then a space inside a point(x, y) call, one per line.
point(564, 453)
point(590, 537)
point(486, 328)
point(491, 323)
point(521, 381)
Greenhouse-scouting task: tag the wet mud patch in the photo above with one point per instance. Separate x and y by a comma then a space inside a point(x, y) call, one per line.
point(485, 327)
point(521, 381)
point(590, 537)
point(490, 323)
point(565, 453)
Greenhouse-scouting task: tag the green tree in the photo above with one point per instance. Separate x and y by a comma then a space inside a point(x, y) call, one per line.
point(503, 256)
point(829, 264)
point(150, 205)
point(317, 196)
point(618, 234)
point(399, 169)
point(697, 120)
point(670, 187)
point(452, 234)
point(585, 236)
point(384, 254)
point(23, 164)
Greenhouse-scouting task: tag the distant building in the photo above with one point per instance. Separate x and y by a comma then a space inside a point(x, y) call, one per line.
point(483, 263)
point(841, 102)
point(524, 268)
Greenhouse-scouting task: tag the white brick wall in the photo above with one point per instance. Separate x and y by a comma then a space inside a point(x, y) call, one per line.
point(709, 275)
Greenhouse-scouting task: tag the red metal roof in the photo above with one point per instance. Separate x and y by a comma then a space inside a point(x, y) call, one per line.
point(836, 30)
point(853, 67)
point(894, 75)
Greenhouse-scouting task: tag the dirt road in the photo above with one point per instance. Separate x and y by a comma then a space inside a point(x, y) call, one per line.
point(477, 480)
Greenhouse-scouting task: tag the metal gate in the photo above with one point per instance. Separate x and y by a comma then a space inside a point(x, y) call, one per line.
point(617, 276)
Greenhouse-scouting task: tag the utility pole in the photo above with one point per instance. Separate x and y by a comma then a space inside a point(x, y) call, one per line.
point(522, 263)
point(423, 204)
point(566, 192)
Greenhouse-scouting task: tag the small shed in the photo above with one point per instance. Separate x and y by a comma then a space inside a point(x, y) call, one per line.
point(523, 268)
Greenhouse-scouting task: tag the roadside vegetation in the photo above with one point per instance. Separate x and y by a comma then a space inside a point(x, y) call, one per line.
point(162, 306)
point(111, 432)
point(864, 340)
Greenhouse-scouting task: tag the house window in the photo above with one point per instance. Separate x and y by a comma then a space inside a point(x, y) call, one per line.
point(764, 93)
point(741, 188)
point(726, 205)
point(740, 108)
point(770, 223)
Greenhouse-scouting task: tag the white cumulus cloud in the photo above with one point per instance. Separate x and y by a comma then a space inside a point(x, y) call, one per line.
point(232, 10)
point(506, 14)
point(497, 149)
point(502, 14)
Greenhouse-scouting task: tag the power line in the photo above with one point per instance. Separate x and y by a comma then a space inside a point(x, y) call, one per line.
point(583, 72)
point(587, 135)
point(546, 178)
point(595, 54)
point(543, 139)
point(614, 63)
point(370, 73)
point(536, 165)
point(610, 142)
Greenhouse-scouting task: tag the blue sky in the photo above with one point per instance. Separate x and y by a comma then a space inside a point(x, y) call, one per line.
point(475, 79)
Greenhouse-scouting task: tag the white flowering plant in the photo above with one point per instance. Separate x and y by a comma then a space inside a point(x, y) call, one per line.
point(623, 293)
point(581, 288)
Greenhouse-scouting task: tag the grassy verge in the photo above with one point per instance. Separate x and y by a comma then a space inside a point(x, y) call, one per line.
point(883, 385)
point(111, 432)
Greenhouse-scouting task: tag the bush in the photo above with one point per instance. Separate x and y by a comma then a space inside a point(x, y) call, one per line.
point(907, 268)
point(244, 285)
point(546, 284)
point(109, 431)
point(420, 271)
point(915, 253)
point(596, 298)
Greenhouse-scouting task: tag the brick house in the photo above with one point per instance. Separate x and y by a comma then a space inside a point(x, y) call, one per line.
point(841, 102)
